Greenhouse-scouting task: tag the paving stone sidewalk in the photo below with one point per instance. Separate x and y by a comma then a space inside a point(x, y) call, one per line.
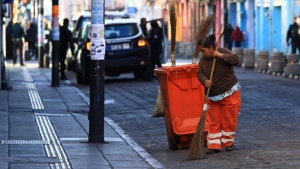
point(47, 127)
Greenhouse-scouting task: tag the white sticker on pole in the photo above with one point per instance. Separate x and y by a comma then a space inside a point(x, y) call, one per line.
point(97, 49)
point(97, 31)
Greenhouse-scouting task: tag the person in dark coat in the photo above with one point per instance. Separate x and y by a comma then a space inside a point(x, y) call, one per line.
point(31, 38)
point(47, 39)
point(237, 36)
point(8, 41)
point(66, 41)
point(144, 26)
point(17, 33)
point(155, 41)
point(293, 34)
point(227, 35)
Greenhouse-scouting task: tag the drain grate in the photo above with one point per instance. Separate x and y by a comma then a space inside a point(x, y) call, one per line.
point(24, 142)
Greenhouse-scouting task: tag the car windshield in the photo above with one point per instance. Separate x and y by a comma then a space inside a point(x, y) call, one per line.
point(121, 30)
point(81, 21)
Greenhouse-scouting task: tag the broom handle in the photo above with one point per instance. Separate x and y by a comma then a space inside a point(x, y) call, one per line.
point(211, 75)
point(213, 66)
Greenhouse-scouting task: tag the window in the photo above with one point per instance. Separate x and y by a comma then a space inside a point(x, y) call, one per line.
point(121, 30)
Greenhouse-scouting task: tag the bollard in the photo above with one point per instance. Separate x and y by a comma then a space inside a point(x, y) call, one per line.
point(293, 65)
point(239, 52)
point(262, 61)
point(249, 58)
point(278, 62)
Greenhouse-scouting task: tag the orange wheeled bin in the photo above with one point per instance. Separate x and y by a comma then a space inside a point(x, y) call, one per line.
point(183, 99)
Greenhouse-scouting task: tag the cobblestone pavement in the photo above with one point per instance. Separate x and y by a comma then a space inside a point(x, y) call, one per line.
point(267, 135)
point(268, 130)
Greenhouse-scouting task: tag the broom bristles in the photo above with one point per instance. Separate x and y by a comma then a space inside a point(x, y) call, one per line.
point(197, 150)
point(204, 27)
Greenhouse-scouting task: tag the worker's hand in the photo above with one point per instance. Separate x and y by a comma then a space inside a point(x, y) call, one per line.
point(208, 83)
point(218, 54)
point(287, 43)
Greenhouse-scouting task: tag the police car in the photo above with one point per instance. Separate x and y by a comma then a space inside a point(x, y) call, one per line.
point(126, 50)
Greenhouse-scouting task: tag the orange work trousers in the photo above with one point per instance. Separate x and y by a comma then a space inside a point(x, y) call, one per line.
point(221, 121)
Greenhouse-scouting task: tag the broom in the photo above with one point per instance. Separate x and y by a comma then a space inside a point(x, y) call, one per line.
point(197, 147)
point(173, 21)
point(204, 28)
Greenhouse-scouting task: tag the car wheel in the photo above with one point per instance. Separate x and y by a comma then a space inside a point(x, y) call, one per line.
point(137, 74)
point(148, 73)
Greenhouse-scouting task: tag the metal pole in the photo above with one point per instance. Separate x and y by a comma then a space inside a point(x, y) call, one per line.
point(35, 9)
point(96, 114)
point(41, 33)
point(271, 25)
point(55, 44)
point(1, 56)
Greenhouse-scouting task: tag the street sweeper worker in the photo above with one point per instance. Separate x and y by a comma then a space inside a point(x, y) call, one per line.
point(224, 98)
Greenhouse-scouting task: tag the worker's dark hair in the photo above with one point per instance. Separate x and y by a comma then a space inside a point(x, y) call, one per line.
point(208, 41)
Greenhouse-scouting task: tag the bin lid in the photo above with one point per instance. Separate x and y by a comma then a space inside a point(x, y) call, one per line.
point(180, 68)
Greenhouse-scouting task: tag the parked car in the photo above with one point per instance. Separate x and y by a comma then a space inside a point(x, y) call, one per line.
point(70, 59)
point(82, 55)
point(127, 50)
point(84, 18)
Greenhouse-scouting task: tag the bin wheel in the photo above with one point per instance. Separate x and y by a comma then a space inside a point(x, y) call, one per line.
point(174, 142)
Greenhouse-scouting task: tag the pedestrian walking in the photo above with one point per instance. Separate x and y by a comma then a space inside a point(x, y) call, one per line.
point(224, 98)
point(143, 25)
point(31, 39)
point(8, 41)
point(47, 39)
point(18, 35)
point(237, 37)
point(293, 34)
point(227, 35)
point(155, 41)
point(66, 41)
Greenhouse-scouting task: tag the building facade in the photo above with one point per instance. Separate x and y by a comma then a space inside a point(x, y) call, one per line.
point(264, 23)
point(272, 22)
